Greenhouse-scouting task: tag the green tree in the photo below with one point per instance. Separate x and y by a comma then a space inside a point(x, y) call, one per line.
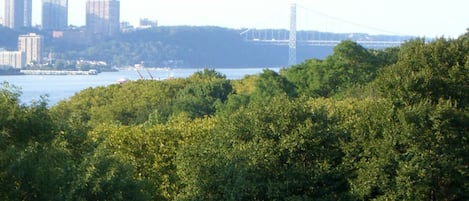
point(130, 103)
point(280, 150)
point(270, 84)
point(108, 172)
point(349, 65)
point(434, 71)
point(433, 163)
point(206, 90)
point(33, 165)
point(199, 100)
point(371, 148)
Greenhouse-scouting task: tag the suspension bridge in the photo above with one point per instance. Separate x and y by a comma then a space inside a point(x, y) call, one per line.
point(294, 37)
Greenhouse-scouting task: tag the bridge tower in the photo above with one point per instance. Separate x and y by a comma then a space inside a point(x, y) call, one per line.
point(292, 39)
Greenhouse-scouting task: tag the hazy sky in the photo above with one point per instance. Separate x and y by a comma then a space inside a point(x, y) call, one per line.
point(412, 17)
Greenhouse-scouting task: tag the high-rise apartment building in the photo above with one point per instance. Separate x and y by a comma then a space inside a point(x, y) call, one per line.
point(12, 59)
point(31, 45)
point(103, 17)
point(18, 13)
point(54, 14)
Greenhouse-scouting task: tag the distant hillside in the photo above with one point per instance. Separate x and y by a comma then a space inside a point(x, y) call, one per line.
point(182, 46)
point(8, 39)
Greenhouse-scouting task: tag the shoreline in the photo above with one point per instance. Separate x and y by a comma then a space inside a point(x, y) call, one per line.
point(57, 72)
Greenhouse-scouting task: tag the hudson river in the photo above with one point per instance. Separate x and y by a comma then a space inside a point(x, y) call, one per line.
point(61, 87)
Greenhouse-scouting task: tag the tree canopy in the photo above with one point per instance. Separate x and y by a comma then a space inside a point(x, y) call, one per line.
point(359, 125)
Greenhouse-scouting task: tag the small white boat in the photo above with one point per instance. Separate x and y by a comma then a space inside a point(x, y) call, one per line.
point(122, 80)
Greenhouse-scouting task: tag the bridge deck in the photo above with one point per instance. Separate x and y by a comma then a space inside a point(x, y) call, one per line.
point(330, 42)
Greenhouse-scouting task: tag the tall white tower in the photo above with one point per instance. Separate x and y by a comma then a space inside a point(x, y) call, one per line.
point(292, 40)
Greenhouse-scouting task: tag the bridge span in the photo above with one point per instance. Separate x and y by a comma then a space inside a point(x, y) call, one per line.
point(293, 37)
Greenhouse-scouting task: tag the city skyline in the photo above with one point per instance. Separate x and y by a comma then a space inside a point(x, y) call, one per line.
point(419, 18)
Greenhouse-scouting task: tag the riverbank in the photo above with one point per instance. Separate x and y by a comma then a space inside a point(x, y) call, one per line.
point(58, 72)
point(10, 72)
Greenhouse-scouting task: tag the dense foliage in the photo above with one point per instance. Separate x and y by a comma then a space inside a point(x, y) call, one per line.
point(359, 125)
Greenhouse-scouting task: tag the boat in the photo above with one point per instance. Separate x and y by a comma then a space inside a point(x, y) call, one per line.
point(122, 80)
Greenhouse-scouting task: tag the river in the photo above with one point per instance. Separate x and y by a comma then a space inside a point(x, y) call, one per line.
point(61, 87)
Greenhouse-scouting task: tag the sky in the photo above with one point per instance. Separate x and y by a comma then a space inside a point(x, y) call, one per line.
point(423, 18)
